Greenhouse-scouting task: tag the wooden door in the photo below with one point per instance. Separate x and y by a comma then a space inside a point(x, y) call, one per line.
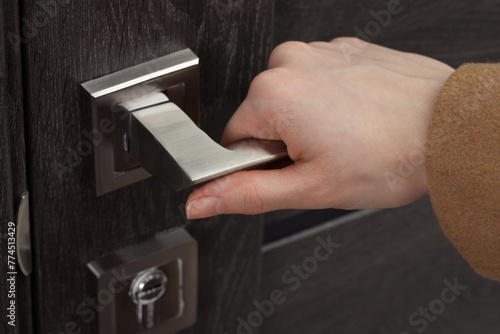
point(390, 263)
point(65, 43)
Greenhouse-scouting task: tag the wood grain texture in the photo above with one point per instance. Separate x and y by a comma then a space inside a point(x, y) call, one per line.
point(12, 161)
point(88, 39)
point(229, 265)
point(454, 32)
point(388, 265)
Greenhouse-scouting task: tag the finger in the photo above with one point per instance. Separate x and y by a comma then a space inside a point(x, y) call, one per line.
point(253, 192)
point(250, 121)
point(241, 125)
point(264, 107)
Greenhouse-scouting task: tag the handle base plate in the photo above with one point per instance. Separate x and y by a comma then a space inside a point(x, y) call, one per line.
point(175, 74)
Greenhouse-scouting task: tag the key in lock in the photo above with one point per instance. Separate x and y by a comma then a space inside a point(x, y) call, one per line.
point(147, 287)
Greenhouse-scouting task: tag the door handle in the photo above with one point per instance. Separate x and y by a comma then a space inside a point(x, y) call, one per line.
point(143, 117)
point(170, 146)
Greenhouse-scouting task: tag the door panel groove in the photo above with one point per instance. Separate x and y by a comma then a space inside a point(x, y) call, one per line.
point(373, 270)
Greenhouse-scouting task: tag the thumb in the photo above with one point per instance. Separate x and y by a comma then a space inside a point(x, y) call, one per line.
point(252, 192)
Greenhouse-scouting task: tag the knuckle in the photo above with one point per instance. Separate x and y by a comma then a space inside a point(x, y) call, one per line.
point(350, 43)
point(322, 45)
point(215, 187)
point(276, 88)
point(342, 39)
point(267, 83)
point(349, 40)
point(264, 78)
point(252, 200)
point(288, 50)
point(294, 46)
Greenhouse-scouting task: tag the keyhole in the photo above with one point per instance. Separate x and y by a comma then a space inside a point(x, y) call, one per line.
point(147, 287)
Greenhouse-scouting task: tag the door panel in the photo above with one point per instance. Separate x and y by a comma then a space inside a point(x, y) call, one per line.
point(391, 262)
point(451, 31)
point(12, 162)
point(386, 265)
point(83, 40)
point(64, 43)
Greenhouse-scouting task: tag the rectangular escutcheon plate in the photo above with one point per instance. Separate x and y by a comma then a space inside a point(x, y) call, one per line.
point(148, 288)
point(176, 75)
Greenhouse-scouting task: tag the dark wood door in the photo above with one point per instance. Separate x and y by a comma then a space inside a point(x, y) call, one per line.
point(374, 281)
point(65, 43)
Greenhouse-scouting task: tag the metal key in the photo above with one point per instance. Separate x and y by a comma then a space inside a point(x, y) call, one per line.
point(147, 287)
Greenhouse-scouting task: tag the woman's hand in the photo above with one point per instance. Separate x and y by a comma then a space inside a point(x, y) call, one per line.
point(354, 117)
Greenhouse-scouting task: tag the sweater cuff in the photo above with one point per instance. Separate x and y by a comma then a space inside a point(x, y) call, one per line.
point(463, 164)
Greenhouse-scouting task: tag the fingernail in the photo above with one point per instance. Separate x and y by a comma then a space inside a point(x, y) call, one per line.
point(203, 207)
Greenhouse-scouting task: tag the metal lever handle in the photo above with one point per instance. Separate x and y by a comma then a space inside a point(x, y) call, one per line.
point(170, 146)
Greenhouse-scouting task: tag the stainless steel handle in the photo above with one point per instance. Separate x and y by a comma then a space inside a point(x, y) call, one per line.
point(156, 134)
point(170, 146)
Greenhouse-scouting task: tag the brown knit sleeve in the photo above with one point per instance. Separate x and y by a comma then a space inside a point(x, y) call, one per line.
point(463, 164)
